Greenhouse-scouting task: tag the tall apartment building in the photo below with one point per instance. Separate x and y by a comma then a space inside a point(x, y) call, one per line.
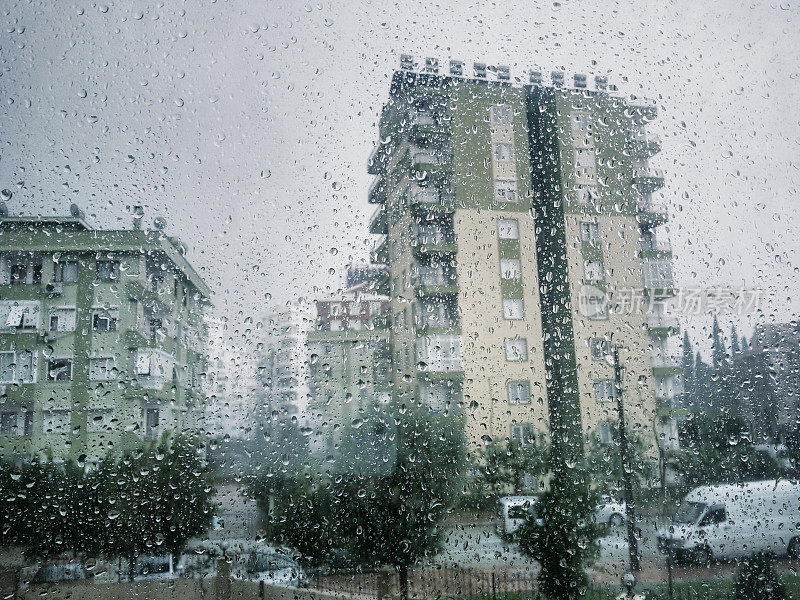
point(281, 377)
point(350, 374)
point(521, 231)
point(101, 337)
point(229, 382)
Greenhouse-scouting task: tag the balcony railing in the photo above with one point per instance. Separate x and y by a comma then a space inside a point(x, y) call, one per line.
point(416, 117)
point(650, 244)
point(648, 178)
point(662, 322)
point(435, 276)
point(422, 159)
point(377, 192)
point(378, 223)
point(661, 361)
point(429, 195)
point(644, 144)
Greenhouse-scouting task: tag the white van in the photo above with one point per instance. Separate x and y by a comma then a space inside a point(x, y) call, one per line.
point(730, 521)
point(513, 510)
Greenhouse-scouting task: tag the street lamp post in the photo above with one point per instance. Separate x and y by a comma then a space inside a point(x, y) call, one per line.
point(624, 451)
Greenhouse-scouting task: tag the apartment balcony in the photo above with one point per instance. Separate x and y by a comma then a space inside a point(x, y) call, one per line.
point(377, 192)
point(378, 158)
point(430, 197)
point(657, 275)
point(666, 365)
point(435, 280)
point(430, 160)
point(662, 325)
point(644, 108)
point(378, 223)
point(644, 145)
point(439, 353)
point(434, 244)
point(652, 244)
point(647, 179)
point(651, 213)
point(136, 291)
point(380, 253)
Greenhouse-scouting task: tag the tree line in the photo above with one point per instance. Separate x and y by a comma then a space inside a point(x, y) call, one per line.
point(149, 501)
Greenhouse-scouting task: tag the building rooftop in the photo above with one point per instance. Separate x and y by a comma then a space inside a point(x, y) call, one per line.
point(73, 233)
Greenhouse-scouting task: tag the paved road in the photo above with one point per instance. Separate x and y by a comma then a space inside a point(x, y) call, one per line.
point(478, 546)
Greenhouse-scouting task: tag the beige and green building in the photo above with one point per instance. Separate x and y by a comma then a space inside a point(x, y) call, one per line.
point(101, 338)
point(520, 225)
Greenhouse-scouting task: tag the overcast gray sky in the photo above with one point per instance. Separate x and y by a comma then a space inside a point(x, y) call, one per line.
point(248, 125)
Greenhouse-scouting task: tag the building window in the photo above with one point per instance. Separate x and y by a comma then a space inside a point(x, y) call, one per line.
point(8, 422)
point(28, 422)
point(584, 158)
point(519, 392)
point(605, 390)
point(335, 309)
point(508, 229)
point(99, 420)
point(108, 270)
point(152, 422)
point(8, 365)
point(510, 268)
point(590, 231)
point(586, 193)
point(23, 270)
point(513, 308)
point(580, 121)
point(516, 349)
point(101, 368)
point(105, 319)
point(593, 270)
point(505, 189)
point(56, 421)
point(19, 315)
point(501, 114)
point(143, 364)
point(62, 318)
point(522, 434)
point(19, 274)
point(605, 432)
point(600, 348)
point(66, 271)
point(503, 152)
point(59, 369)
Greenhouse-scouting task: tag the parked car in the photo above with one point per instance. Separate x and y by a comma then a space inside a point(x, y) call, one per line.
point(157, 567)
point(731, 521)
point(610, 511)
point(513, 510)
point(53, 573)
point(275, 568)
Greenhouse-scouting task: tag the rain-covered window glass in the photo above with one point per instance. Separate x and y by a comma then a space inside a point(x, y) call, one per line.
point(319, 299)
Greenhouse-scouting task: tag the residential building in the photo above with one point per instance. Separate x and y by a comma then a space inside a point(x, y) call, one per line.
point(101, 337)
point(350, 373)
point(230, 381)
point(281, 389)
point(521, 230)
